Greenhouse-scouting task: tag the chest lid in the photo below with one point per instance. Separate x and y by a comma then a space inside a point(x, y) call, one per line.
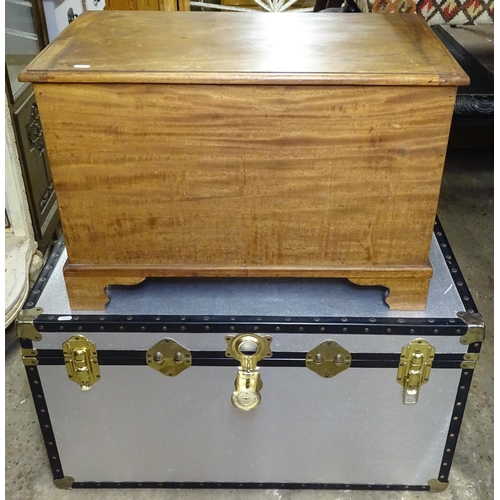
point(247, 48)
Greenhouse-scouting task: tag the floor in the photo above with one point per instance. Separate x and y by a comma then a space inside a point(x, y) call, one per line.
point(466, 212)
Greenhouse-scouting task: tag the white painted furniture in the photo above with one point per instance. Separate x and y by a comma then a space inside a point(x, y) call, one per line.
point(22, 261)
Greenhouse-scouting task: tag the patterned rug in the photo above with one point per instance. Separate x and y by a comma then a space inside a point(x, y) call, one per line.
point(436, 11)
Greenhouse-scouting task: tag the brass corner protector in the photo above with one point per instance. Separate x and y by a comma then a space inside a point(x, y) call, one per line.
point(436, 486)
point(469, 362)
point(475, 327)
point(65, 483)
point(24, 324)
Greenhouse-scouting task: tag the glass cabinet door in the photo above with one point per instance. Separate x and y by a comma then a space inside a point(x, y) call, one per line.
point(22, 43)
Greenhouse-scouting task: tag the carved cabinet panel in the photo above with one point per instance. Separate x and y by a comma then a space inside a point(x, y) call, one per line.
point(33, 156)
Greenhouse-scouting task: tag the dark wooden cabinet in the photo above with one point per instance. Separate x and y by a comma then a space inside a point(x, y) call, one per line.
point(25, 37)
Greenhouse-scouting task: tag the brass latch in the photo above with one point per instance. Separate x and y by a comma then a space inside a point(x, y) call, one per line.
point(248, 349)
point(168, 357)
point(328, 359)
point(80, 358)
point(414, 368)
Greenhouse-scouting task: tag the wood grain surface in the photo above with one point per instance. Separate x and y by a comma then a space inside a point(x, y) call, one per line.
point(406, 291)
point(88, 293)
point(232, 176)
point(151, 5)
point(256, 48)
point(86, 284)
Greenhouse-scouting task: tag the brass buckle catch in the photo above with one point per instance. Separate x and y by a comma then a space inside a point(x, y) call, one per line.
point(414, 368)
point(80, 358)
point(248, 349)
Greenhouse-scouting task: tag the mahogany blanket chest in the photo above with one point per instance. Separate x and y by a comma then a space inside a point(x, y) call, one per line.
point(252, 383)
point(194, 144)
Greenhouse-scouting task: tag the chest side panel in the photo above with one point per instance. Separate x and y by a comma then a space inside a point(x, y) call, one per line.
point(246, 175)
point(140, 426)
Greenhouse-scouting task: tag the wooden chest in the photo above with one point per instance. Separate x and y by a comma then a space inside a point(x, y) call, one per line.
point(246, 145)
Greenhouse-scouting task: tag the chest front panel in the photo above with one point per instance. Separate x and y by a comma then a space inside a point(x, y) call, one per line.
point(233, 175)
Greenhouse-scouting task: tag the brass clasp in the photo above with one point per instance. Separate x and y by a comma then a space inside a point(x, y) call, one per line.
point(414, 368)
point(248, 349)
point(80, 358)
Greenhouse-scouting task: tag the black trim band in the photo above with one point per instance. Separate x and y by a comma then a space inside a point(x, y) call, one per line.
point(456, 422)
point(264, 324)
point(466, 377)
point(44, 421)
point(248, 486)
point(457, 277)
point(455, 272)
point(218, 358)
